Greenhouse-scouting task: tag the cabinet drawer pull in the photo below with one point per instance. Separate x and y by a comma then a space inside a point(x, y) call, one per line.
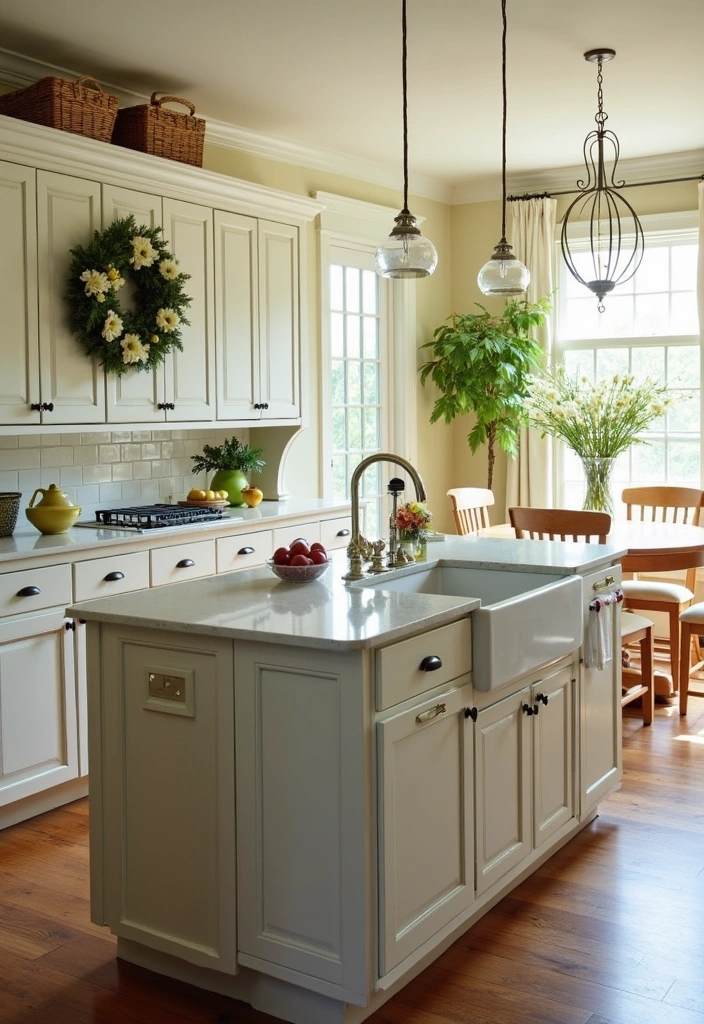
point(431, 663)
point(113, 577)
point(246, 551)
point(604, 584)
point(185, 563)
point(425, 716)
point(29, 592)
point(343, 533)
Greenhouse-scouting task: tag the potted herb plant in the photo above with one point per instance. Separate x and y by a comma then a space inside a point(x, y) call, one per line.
point(233, 462)
point(480, 363)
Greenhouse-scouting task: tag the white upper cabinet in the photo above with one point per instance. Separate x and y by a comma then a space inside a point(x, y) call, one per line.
point(242, 244)
point(257, 318)
point(68, 212)
point(19, 385)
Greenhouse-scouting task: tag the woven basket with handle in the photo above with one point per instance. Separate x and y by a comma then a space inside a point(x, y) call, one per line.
point(70, 106)
point(151, 128)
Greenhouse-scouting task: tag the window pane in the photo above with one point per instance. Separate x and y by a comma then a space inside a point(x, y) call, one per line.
point(339, 476)
point(370, 292)
point(610, 361)
point(648, 362)
point(370, 332)
point(684, 267)
point(653, 275)
point(353, 337)
point(354, 386)
point(339, 438)
point(354, 429)
point(648, 462)
point(336, 288)
point(683, 315)
point(337, 342)
point(683, 463)
point(372, 433)
point(617, 319)
point(684, 416)
point(371, 383)
point(652, 314)
point(338, 382)
point(683, 365)
point(352, 289)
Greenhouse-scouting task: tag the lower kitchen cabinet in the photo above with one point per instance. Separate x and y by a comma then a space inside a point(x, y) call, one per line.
point(524, 773)
point(426, 822)
point(38, 727)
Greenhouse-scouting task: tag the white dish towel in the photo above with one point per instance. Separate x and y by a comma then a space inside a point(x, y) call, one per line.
point(598, 648)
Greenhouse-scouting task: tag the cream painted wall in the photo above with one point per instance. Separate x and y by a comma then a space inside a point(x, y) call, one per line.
point(475, 231)
point(435, 447)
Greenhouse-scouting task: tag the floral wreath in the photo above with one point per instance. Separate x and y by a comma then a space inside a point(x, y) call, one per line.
point(122, 339)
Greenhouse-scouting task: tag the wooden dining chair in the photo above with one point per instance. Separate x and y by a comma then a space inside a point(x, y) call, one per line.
point(664, 504)
point(559, 524)
point(470, 508)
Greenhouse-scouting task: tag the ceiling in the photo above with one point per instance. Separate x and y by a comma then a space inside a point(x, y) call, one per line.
point(324, 77)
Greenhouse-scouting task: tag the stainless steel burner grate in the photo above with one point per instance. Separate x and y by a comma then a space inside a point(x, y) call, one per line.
point(154, 517)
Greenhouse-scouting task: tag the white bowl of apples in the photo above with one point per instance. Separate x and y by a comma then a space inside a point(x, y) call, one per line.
point(300, 562)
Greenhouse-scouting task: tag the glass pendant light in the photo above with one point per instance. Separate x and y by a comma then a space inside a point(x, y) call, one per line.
point(504, 274)
point(406, 253)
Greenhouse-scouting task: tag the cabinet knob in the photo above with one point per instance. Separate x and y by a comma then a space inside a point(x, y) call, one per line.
point(542, 698)
point(171, 406)
point(161, 405)
point(265, 405)
point(343, 533)
point(471, 713)
point(257, 405)
point(425, 716)
point(530, 709)
point(36, 407)
point(185, 563)
point(70, 625)
point(246, 551)
point(29, 592)
point(112, 577)
point(47, 406)
point(430, 663)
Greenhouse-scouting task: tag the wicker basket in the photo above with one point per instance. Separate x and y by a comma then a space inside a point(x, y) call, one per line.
point(70, 106)
point(151, 128)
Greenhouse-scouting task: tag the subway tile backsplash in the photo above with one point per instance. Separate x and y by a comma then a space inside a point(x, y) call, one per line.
point(107, 466)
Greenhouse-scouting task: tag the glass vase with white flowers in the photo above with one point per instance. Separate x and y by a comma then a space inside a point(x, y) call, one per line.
point(597, 421)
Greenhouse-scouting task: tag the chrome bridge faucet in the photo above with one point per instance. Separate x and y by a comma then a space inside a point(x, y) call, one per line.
point(359, 549)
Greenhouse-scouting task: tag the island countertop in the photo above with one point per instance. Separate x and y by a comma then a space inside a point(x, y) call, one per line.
point(253, 604)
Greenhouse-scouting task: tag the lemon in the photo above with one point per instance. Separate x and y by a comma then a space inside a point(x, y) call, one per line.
point(196, 495)
point(222, 495)
point(209, 495)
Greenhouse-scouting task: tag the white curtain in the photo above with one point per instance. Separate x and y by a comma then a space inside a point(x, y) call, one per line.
point(532, 234)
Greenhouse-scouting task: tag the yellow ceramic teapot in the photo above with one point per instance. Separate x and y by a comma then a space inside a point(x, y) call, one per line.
point(54, 513)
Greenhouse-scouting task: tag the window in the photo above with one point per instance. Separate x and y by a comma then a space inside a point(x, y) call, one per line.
point(649, 328)
point(357, 380)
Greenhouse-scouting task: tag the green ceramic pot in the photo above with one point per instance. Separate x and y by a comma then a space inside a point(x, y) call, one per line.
point(233, 481)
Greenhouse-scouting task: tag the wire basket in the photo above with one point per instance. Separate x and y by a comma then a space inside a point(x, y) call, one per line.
point(151, 128)
point(69, 106)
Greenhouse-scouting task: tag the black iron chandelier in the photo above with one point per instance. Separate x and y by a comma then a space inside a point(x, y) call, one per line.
point(616, 242)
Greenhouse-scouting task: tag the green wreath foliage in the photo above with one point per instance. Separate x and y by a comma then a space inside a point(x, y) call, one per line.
point(121, 338)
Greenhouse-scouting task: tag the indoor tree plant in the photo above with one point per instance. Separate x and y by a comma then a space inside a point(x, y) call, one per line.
point(480, 365)
point(232, 461)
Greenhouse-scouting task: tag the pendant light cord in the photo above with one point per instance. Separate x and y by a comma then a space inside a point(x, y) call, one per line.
point(503, 130)
point(404, 79)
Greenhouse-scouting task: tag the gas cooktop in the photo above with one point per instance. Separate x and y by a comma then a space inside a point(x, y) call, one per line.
point(139, 518)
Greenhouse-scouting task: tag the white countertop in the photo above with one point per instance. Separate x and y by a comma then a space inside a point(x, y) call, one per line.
point(26, 541)
point(254, 605)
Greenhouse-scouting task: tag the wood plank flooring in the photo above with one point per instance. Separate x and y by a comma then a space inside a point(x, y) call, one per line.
point(609, 931)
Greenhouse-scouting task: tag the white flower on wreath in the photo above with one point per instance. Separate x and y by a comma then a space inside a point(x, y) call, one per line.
point(112, 328)
point(133, 351)
point(96, 283)
point(168, 320)
point(144, 252)
point(115, 278)
point(168, 269)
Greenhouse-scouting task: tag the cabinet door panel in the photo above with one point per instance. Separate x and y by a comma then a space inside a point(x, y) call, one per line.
point(135, 397)
point(503, 789)
point(236, 316)
point(38, 742)
point(68, 212)
point(426, 860)
point(279, 319)
point(19, 384)
point(553, 754)
point(190, 375)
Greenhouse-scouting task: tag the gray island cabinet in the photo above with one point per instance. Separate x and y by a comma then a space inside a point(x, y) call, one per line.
point(302, 794)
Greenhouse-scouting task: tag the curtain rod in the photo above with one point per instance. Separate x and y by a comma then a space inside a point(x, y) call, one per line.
point(576, 191)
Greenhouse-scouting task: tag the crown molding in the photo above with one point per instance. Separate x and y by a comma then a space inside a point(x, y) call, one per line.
point(18, 71)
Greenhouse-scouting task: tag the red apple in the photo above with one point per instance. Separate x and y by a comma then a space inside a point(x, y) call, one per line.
point(299, 547)
point(318, 557)
point(317, 546)
point(300, 560)
point(281, 556)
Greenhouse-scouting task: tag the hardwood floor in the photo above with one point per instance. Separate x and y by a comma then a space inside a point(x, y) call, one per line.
point(609, 931)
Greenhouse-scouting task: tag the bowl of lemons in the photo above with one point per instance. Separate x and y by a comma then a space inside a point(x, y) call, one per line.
point(206, 499)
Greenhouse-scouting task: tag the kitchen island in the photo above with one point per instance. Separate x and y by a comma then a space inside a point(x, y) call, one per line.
point(301, 794)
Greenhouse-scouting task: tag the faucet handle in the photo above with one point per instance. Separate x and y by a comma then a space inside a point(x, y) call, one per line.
point(396, 484)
